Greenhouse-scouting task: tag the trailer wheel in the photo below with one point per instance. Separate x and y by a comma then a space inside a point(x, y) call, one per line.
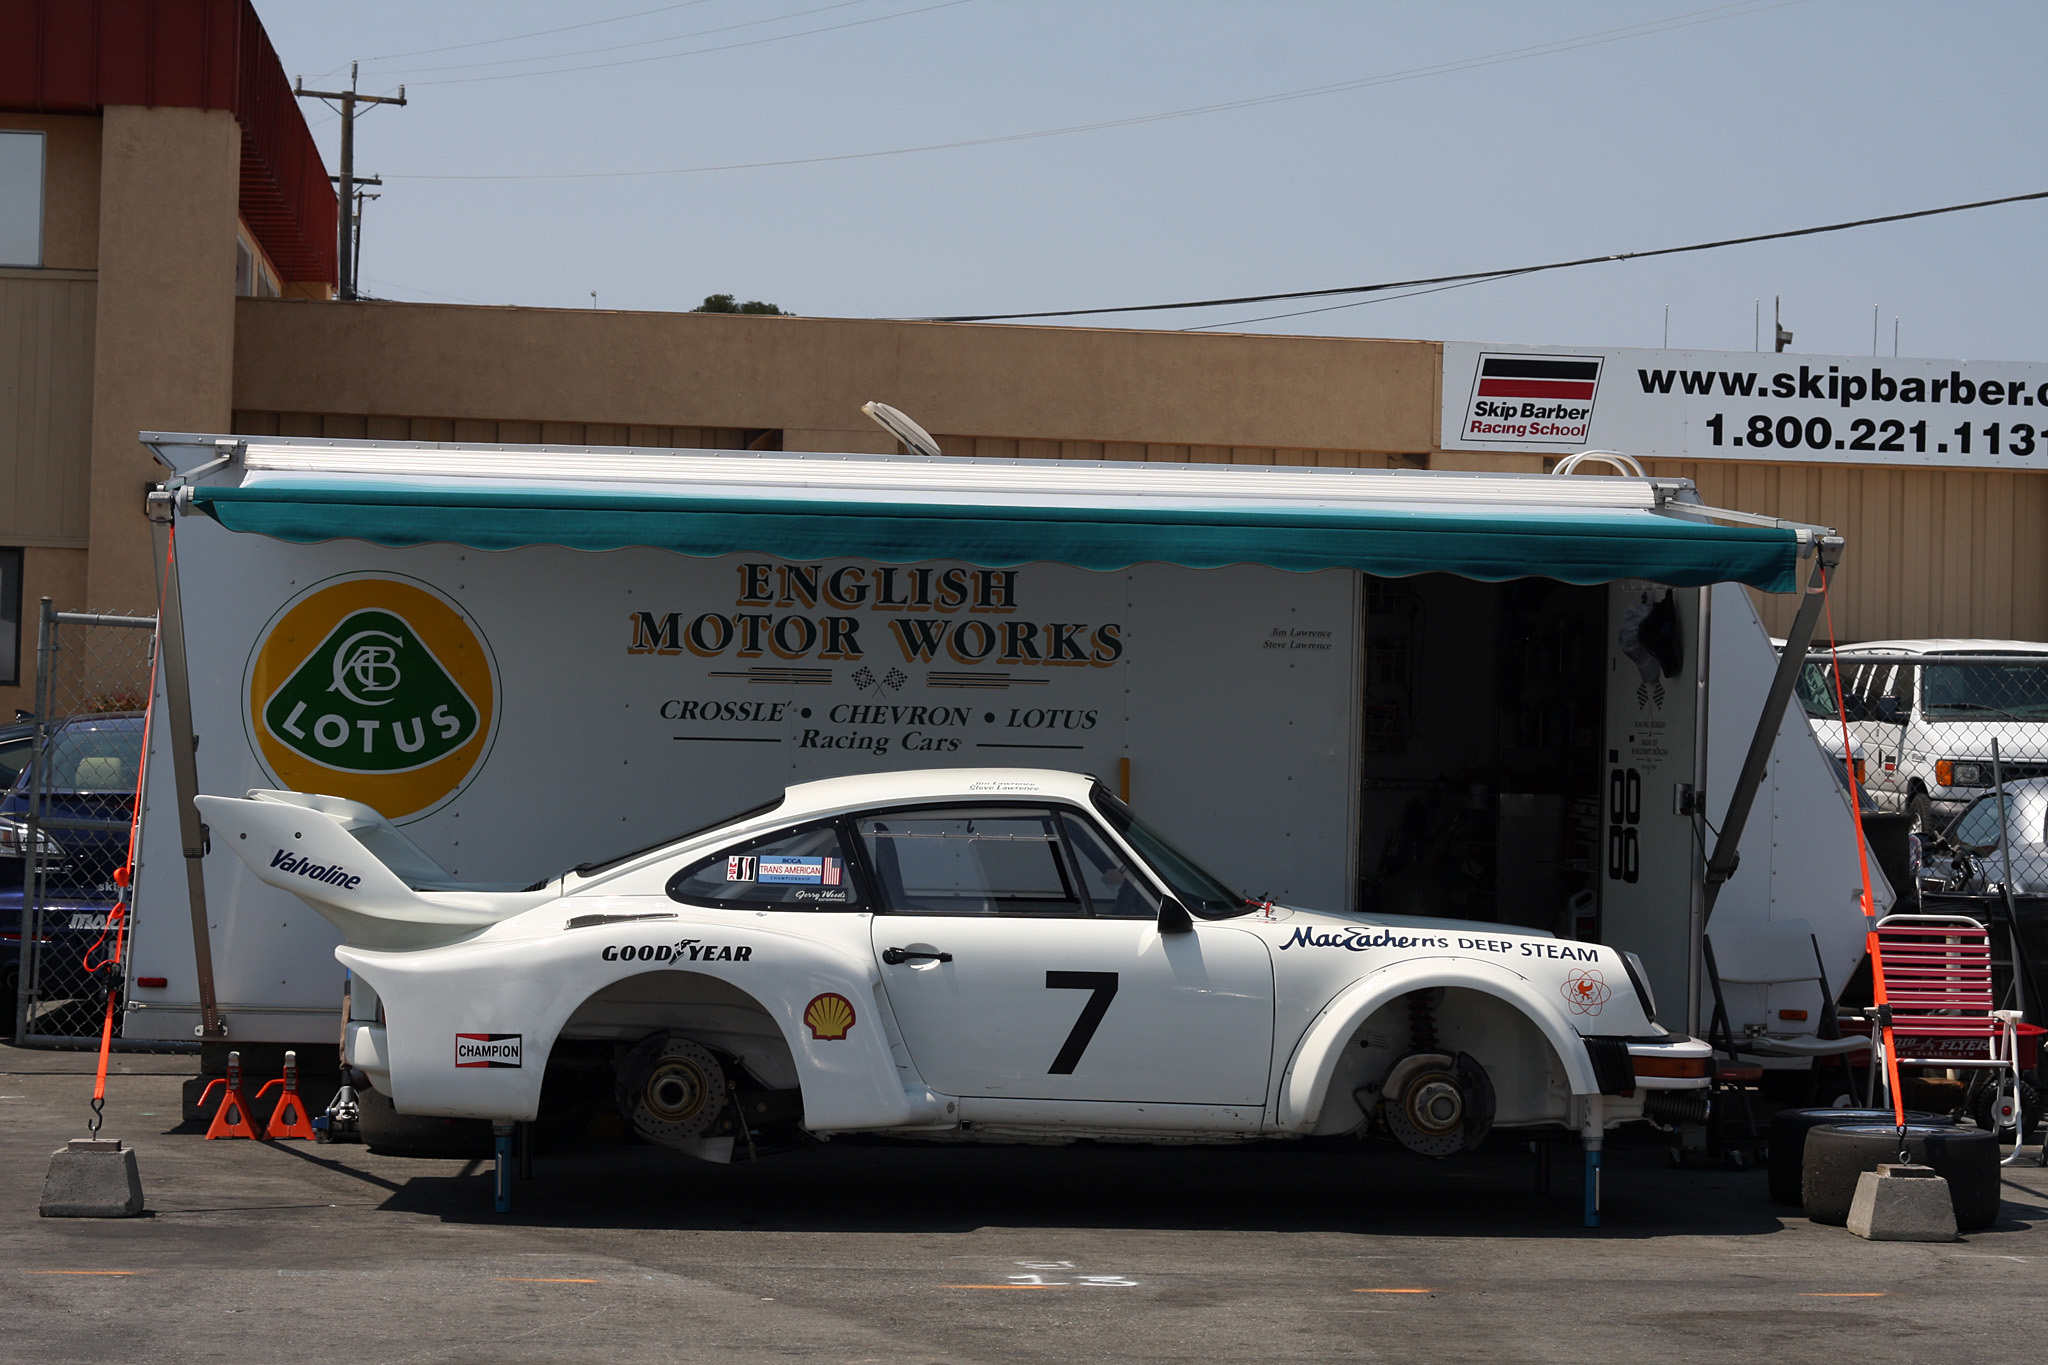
point(1836, 1154)
point(1789, 1128)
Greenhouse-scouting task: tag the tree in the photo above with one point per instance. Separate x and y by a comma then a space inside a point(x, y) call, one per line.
point(724, 303)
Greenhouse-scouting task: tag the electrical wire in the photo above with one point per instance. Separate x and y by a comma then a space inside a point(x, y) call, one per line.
point(693, 52)
point(1601, 37)
point(537, 33)
point(1355, 303)
point(620, 47)
point(1477, 276)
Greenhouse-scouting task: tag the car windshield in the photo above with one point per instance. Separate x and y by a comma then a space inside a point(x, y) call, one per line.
point(1975, 691)
point(1198, 888)
point(95, 756)
point(1817, 691)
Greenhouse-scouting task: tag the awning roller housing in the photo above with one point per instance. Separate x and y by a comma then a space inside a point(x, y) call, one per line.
point(992, 513)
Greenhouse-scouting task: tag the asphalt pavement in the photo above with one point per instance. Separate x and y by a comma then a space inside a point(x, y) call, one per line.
point(895, 1253)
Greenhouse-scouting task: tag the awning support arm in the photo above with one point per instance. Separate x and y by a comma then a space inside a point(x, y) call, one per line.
point(1726, 857)
point(192, 835)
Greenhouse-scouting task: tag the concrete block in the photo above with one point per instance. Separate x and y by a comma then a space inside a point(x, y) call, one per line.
point(1902, 1204)
point(92, 1178)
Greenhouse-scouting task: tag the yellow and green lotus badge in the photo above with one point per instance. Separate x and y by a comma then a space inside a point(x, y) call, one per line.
point(378, 689)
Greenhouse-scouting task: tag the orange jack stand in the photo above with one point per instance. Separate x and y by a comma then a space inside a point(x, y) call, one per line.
point(232, 1119)
point(289, 1119)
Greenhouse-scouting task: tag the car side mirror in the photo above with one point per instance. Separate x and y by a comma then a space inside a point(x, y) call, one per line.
point(1174, 918)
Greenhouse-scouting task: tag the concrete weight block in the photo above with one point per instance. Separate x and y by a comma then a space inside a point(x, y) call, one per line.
point(92, 1178)
point(1902, 1204)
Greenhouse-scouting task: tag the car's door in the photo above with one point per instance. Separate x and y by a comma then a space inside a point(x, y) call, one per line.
point(1023, 958)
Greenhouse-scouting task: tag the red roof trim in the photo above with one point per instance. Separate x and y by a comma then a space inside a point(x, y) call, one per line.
point(79, 56)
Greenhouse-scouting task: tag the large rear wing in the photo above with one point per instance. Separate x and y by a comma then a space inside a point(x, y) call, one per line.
point(354, 867)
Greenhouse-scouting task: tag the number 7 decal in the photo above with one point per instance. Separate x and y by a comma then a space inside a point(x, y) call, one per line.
point(1104, 986)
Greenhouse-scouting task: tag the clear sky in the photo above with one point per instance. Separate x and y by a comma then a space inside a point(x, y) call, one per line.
point(1510, 134)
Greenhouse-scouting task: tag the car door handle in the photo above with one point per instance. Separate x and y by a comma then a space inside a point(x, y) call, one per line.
point(896, 957)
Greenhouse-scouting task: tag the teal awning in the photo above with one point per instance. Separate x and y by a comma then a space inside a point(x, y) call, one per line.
point(1577, 539)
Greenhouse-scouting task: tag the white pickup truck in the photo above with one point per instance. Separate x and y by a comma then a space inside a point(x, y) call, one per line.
point(959, 954)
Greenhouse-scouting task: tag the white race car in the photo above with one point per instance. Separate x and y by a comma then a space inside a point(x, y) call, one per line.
point(984, 954)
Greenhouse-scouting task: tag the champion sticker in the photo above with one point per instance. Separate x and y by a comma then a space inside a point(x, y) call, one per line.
point(807, 871)
point(739, 869)
point(487, 1049)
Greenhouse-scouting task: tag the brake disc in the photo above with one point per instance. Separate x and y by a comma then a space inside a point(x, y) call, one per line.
point(1437, 1104)
point(1424, 1104)
point(672, 1089)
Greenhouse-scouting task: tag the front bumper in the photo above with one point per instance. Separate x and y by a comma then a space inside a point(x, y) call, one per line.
point(1676, 1063)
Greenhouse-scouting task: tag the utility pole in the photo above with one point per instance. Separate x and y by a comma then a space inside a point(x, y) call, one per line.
point(345, 241)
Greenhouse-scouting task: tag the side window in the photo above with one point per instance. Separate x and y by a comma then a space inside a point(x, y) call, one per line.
point(1977, 830)
point(791, 869)
point(1114, 889)
point(968, 861)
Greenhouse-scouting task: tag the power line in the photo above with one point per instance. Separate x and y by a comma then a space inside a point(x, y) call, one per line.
point(693, 52)
point(1649, 28)
point(537, 33)
point(1475, 276)
point(620, 47)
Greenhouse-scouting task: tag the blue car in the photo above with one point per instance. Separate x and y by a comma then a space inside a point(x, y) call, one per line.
point(88, 803)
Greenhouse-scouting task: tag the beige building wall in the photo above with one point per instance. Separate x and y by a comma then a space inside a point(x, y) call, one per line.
point(165, 320)
point(808, 376)
point(1931, 552)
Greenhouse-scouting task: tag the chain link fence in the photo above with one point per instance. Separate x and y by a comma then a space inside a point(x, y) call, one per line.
point(1953, 747)
point(64, 824)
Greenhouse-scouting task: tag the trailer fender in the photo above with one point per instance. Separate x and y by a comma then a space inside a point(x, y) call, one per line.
point(1305, 1085)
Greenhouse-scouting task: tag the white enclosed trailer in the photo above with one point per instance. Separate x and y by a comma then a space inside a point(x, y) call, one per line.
point(1517, 698)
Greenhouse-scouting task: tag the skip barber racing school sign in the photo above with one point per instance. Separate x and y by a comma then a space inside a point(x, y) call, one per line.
point(1746, 405)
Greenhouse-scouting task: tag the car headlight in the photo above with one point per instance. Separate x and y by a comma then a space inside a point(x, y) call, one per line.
point(1952, 772)
point(14, 842)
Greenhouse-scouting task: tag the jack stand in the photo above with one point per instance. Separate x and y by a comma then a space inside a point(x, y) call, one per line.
point(1593, 1132)
point(233, 1119)
point(288, 1119)
point(502, 1132)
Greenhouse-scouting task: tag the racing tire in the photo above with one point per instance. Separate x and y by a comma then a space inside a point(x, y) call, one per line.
point(389, 1133)
point(1789, 1128)
point(1836, 1154)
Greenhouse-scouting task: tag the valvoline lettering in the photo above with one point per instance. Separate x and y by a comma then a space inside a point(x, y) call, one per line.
point(333, 874)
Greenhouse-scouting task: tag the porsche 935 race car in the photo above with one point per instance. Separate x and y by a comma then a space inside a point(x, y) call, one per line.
point(975, 954)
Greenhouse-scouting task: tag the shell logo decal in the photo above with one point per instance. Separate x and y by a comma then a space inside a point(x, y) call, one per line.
point(829, 1016)
point(1585, 991)
point(372, 687)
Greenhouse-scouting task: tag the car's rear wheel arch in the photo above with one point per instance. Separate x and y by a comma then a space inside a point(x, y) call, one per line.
point(702, 1008)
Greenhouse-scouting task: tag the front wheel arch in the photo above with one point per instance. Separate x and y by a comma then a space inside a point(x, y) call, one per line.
point(1305, 1084)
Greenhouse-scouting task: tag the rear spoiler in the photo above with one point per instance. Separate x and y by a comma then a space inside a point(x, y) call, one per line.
point(354, 867)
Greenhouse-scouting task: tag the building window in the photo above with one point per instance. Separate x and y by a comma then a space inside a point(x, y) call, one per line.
point(10, 618)
point(21, 199)
point(254, 277)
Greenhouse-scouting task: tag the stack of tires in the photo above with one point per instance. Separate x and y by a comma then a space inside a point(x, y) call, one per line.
point(1817, 1155)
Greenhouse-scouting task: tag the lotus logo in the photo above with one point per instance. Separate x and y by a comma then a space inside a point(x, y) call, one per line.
point(377, 689)
point(369, 660)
